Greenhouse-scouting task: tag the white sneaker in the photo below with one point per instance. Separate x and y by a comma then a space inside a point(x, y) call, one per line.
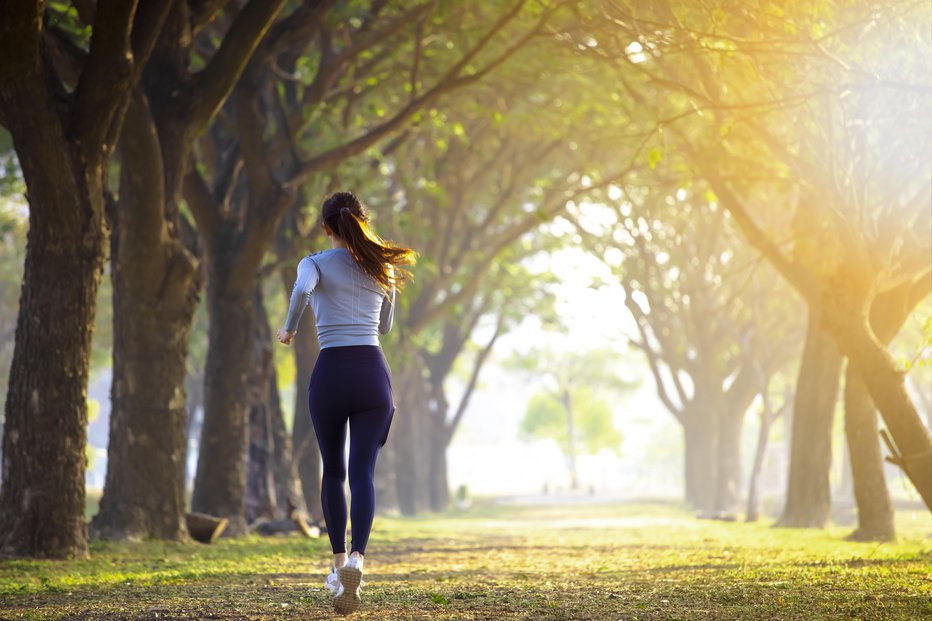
point(349, 597)
point(332, 583)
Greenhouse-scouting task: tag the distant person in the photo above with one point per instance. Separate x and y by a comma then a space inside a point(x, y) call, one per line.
point(352, 290)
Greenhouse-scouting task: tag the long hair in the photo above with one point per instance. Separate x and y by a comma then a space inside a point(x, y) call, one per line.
point(380, 259)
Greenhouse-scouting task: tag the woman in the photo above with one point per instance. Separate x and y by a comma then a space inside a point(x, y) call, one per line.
point(352, 290)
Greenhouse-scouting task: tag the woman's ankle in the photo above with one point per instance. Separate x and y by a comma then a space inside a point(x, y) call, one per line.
point(339, 559)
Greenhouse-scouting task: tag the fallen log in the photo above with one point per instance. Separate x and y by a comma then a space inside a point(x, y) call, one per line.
point(296, 522)
point(205, 528)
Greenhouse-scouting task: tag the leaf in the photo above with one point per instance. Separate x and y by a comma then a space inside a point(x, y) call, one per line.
point(654, 156)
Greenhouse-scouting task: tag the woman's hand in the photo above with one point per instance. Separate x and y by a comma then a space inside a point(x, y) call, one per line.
point(284, 336)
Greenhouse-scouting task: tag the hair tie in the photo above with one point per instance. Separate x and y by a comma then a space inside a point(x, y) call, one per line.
point(345, 209)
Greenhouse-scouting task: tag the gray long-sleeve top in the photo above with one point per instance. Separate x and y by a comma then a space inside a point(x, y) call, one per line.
point(350, 306)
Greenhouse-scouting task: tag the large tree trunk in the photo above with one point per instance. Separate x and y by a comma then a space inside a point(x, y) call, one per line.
point(261, 498)
point(219, 486)
point(144, 490)
point(808, 496)
point(885, 383)
point(438, 486)
point(45, 428)
point(270, 490)
point(439, 483)
point(45, 431)
point(728, 468)
point(410, 434)
point(888, 313)
point(699, 435)
point(875, 511)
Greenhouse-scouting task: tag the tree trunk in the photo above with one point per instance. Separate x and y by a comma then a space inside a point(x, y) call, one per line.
point(45, 431)
point(875, 510)
point(808, 496)
point(767, 419)
point(699, 437)
point(45, 427)
point(410, 435)
point(728, 468)
point(219, 486)
point(146, 453)
point(864, 343)
point(272, 492)
point(570, 439)
point(287, 484)
point(437, 471)
point(261, 499)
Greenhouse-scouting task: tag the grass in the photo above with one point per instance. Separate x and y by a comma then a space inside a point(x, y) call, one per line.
point(624, 561)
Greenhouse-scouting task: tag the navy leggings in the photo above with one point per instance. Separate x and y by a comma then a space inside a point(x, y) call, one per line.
point(350, 384)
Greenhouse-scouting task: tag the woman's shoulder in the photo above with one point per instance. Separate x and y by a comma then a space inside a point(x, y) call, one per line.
point(323, 257)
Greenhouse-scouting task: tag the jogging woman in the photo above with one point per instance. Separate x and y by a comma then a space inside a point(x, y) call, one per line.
point(351, 288)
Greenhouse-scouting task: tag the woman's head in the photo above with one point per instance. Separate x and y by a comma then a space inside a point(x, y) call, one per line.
point(344, 216)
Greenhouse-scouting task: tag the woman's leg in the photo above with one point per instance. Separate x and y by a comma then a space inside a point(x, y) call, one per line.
point(367, 434)
point(330, 427)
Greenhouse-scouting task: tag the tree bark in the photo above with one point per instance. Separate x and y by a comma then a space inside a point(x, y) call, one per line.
point(220, 482)
point(728, 466)
point(437, 473)
point(438, 486)
point(699, 435)
point(261, 498)
point(63, 146)
point(45, 431)
point(271, 487)
point(808, 496)
point(875, 510)
point(156, 285)
point(410, 423)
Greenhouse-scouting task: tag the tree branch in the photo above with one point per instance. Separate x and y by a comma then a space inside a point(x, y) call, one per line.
point(213, 84)
point(481, 357)
point(449, 82)
point(107, 79)
point(202, 206)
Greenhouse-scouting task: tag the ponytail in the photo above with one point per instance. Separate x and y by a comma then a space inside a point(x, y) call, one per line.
point(381, 260)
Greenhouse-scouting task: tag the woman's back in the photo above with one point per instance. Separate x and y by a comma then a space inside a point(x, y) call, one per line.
point(349, 305)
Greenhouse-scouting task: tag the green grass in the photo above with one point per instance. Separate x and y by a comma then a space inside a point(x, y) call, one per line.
point(544, 563)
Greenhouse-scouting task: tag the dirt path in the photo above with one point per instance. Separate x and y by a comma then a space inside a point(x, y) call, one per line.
point(542, 563)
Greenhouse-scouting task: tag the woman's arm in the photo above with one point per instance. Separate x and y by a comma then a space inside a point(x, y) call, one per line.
point(387, 314)
point(308, 277)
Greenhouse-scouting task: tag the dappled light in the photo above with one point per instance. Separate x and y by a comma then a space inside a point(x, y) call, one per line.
point(572, 309)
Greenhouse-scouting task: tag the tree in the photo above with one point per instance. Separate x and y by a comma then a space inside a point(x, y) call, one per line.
point(63, 102)
point(579, 421)
point(708, 321)
point(154, 243)
point(238, 216)
point(772, 134)
point(570, 409)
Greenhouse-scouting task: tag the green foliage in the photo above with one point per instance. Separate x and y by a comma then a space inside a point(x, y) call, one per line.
point(546, 418)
